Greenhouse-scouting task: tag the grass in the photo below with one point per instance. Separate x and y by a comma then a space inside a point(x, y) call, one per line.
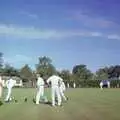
point(83, 104)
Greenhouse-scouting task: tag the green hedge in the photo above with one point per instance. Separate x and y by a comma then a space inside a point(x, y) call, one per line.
point(94, 83)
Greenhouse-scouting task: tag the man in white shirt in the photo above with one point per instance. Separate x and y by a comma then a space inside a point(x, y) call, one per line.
point(40, 88)
point(55, 91)
point(68, 85)
point(74, 85)
point(62, 89)
point(1, 86)
point(10, 84)
point(1, 89)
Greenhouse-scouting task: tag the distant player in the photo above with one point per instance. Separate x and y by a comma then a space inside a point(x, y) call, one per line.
point(104, 83)
point(74, 85)
point(68, 85)
point(1, 86)
point(10, 84)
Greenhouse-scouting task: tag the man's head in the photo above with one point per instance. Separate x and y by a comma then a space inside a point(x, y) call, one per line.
point(10, 77)
point(39, 75)
point(56, 73)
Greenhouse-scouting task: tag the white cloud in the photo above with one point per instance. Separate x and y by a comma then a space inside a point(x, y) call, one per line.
point(31, 15)
point(96, 34)
point(34, 33)
point(26, 32)
point(92, 21)
point(114, 36)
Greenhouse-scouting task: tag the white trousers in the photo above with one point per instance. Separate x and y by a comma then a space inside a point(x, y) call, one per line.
point(8, 93)
point(68, 86)
point(56, 93)
point(108, 85)
point(62, 94)
point(0, 91)
point(40, 93)
point(74, 86)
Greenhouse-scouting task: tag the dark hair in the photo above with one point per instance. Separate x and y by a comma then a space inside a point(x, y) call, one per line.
point(41, 75)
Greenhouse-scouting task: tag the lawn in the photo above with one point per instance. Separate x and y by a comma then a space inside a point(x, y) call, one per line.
point(83, 104)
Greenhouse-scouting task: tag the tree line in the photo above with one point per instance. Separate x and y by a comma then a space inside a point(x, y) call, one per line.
point(81, 75)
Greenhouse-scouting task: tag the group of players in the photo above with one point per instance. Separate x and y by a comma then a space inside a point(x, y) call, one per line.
point(57, 89)
point(104, 83)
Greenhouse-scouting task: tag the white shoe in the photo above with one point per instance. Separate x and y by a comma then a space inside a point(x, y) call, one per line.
point(60, 105)
point(53, 105)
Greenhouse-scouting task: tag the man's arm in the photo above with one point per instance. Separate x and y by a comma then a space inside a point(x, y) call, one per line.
point(7, 81)
point(60, 81)
point(1, 83)
point(48, 80)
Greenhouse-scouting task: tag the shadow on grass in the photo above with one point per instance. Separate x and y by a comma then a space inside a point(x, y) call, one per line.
point(1, 103)
point(47, 103)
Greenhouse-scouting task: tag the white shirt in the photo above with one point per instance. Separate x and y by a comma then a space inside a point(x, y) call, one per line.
point(55, 80)
point(1, 82)
point(10, 83)
point(40, 81)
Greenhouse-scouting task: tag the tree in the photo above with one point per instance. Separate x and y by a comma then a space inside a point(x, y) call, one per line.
point(8, 70)
point(1, 62)
point(102, 73)
point(81, 75)
point(45, 67)
point(66, 75)
point(117, 71)
point(1, 59)
point(26, 74)
point(114, 72)
point(78, 68)
point(44, 61)
point(81, 72)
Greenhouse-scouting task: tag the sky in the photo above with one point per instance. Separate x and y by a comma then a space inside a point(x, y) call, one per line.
point(70, 32)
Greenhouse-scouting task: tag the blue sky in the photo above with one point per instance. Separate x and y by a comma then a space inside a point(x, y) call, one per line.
point(68, 31)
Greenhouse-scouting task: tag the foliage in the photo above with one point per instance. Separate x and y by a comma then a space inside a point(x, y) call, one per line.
point(45, 67)
point(26, 73)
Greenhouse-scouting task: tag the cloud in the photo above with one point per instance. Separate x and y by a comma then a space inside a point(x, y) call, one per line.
point(26, 32)
point(92, 21)
point(96, 34)
point(34, 33)
point(82, 33)
point(114, 36)
point(33, 16)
